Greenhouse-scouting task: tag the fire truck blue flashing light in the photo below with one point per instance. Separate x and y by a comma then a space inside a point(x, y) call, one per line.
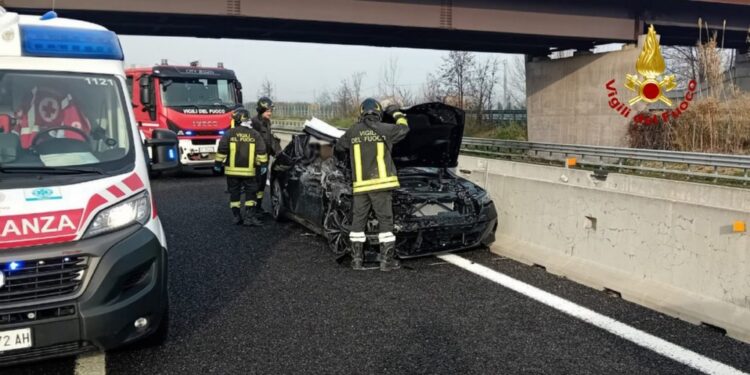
point(221, 132)
point(171, 154)
point(188, 132)
point(65, 42)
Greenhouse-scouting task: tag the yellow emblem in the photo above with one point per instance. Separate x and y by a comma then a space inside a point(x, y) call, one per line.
point(650, 65)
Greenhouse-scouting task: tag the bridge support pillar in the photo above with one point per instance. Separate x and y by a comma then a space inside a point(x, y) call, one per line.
point(567, 99)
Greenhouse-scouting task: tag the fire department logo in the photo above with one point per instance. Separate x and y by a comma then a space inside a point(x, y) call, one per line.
point(650, 86)
point(650, 66)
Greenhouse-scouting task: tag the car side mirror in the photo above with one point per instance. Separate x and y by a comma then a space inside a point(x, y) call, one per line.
point(164, 155)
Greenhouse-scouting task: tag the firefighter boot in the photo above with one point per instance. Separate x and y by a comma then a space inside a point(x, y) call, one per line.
point(387, 250)
point(236, 216)
point(357, 255)
point(251, 219)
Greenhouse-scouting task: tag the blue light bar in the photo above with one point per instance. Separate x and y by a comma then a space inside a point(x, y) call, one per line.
point(171, 154)
point(51, 41)
point(15, 265)
point(188, 132)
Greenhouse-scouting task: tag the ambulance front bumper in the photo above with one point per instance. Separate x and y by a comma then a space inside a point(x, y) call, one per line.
point(124, 278)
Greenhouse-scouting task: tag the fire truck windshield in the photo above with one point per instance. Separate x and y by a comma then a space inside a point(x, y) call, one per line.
point(184, 92)
point(63, 122)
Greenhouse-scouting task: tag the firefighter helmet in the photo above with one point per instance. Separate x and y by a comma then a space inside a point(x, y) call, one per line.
point(370, 106)
point(264, 104)
point(240, 115)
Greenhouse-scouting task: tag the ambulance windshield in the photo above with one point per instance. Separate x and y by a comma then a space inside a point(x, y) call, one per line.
point(62, 122)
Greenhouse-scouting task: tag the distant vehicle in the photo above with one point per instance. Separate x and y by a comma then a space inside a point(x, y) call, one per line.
point(193, 101)
point(435, 211)
point(83, 256)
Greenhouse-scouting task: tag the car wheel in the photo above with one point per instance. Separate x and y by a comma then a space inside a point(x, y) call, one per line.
point(277, 201)
point(336, 229)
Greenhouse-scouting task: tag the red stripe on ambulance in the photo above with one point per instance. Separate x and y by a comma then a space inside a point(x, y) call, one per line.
point(133, 182)
point(114, 190)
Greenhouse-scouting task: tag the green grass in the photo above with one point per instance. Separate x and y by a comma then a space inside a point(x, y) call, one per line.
point(514, 131)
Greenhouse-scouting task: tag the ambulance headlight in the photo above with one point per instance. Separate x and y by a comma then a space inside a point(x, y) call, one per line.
point(134, 210)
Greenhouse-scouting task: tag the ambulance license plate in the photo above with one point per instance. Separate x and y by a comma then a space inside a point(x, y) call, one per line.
point(15, 339)
point(206, 149)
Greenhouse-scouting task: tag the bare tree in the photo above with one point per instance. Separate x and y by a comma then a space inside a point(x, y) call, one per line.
point(456, 75)
point(431, 89)
point(682, 61)
point(356, 85)
point(267, 88)
point(388, 85)
point(343, 98)
point(482, 85)
point(349, 95)
point(516, 77)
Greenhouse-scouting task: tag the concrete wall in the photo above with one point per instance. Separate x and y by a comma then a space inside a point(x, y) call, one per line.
point(664, 244)
point(567, 100)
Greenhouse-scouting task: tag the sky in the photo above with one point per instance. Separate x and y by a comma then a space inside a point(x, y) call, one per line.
point(299, 71)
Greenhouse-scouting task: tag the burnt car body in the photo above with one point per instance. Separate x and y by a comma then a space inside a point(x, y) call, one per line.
point(435, 211)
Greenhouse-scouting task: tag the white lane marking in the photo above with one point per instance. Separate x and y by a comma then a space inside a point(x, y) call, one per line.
point(615, 327)
point(91, 364)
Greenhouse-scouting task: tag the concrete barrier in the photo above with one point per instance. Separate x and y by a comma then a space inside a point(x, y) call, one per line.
point(667, 245)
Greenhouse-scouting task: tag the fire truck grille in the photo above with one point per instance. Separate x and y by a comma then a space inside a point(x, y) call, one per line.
point(42, 278)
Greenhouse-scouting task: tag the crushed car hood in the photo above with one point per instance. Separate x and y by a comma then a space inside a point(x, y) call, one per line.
point(434, 140)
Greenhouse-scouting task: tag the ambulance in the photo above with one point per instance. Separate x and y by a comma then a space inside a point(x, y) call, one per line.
point(83, 257)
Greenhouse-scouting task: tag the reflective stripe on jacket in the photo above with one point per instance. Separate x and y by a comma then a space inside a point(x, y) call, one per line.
point(241, 150)
point(370, 142)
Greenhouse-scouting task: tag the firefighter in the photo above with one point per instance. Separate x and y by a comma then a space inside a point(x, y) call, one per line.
point(239, 115)
point(262, 123)
point(242, 155)
point(374, 176)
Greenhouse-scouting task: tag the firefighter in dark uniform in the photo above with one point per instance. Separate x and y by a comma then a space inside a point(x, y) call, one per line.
point(374, 176)
point(262, 123)
point(242, 154)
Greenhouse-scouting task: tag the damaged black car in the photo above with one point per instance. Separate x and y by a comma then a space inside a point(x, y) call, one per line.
point(435, 211)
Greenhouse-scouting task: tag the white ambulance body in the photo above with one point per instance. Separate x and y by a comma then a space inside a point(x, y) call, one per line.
point(82, 252)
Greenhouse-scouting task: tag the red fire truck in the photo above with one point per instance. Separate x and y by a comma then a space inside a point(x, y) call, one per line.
point(193, 101)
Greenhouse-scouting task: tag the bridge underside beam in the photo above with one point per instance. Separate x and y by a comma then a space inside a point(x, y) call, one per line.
point(327, 32)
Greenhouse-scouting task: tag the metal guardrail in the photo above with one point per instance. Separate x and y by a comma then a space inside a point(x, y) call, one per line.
point(711, 167)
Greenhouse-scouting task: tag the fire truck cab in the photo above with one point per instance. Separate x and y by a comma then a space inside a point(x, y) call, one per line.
point(193, 101)
point(83, 256)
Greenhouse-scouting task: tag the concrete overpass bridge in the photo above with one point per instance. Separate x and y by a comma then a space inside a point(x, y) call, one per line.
point(531, 27)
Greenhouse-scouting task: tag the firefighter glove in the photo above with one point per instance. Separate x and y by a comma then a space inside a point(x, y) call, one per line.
point(217, 167)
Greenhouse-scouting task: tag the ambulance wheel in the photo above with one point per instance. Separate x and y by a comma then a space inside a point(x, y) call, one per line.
point(277, 201)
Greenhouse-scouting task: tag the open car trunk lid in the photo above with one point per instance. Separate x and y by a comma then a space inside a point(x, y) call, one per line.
point(434, 140)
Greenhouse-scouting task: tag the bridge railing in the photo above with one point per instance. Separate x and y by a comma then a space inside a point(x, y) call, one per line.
point(693, 165)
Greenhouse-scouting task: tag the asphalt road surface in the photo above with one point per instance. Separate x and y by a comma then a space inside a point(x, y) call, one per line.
point(272, 301)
